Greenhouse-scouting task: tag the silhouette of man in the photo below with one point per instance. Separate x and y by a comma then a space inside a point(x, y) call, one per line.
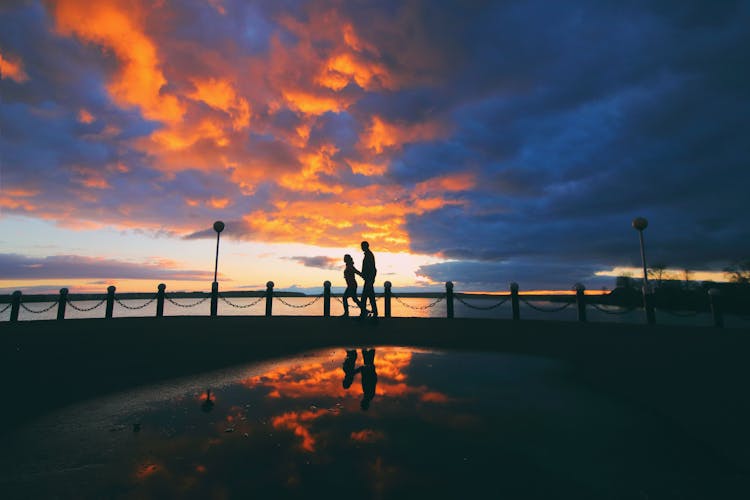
point(369, 378)
point(368, 275)
point(349, 371)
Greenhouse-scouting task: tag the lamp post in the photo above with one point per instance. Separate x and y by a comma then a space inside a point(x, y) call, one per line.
point(218, 227)
point(639, 224)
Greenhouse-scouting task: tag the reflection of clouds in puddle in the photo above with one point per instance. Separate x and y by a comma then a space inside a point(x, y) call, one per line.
point(318, 378)
point(146, 470)
point(367, 436)
point(294, 422)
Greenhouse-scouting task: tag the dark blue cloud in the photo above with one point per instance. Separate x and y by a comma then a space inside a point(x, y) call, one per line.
point(13, 266)
point(577, 118)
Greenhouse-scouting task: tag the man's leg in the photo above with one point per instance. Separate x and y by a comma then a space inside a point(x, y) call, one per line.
point(371, 294)
point(363, 300)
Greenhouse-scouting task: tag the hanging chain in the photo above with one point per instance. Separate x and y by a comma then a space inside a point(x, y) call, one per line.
point(545, 310)
point(251, 304)
point(86, 309)
point(299, 306)
point(133, 308)
point(186, 306)
point(41, 311)
point(483, 308)
point(5, 308)
point(616, 312)
point(431, 304)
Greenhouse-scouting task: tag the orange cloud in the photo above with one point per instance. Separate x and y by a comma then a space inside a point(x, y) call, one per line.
point(313, 104)
point(380, 214)
point(117, 26)
point(220, 94)
point(85, 117)
point(313, 165)
point(219, 6)
point(91, 178)
point(340, 69)
point(366, 168)
point(12, 67)
point(218, 203)
point(382, 135)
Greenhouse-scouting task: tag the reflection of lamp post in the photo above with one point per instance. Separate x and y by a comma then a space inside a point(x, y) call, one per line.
point(640, 223)
point(218, 227)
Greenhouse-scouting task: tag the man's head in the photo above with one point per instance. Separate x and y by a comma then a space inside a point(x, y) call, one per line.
point(365, 245)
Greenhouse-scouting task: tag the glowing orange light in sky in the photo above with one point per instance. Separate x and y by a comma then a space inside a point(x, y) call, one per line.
point(116, 26)
point(11, 67)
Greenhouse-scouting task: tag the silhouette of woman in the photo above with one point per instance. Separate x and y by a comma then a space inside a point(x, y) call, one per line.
point(368, 274)
point(369, 378)
point(351, 285)
point(349, 371)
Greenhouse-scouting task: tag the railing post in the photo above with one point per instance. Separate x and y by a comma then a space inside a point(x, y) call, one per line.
point(160, 300)
point(714, 295)
point(61, 303)
point(581, 301)
point(214, 299)
point(110, 302)
point(15, 305)
point(387, 298)
point(326, 298)
point(648, 304)
point(449, 297)
point(269, 298)
point(514, 301)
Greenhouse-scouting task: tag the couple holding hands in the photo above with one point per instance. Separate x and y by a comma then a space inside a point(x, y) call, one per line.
point(368, 273)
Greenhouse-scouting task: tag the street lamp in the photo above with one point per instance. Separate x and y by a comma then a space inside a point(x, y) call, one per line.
point(218, 227)
point(639, 224)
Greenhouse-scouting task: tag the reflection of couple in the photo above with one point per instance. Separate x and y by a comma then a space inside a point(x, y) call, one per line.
point(369, 375)
point(368, 288)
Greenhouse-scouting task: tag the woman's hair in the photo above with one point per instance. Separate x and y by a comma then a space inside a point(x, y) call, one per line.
point(348, 258)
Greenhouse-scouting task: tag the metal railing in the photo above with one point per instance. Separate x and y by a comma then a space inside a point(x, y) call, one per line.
point(17, 302)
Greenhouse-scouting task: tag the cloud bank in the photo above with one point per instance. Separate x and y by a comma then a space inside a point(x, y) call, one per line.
point(496, 132)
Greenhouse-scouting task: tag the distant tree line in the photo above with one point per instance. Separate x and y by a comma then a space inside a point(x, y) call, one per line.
point(675, 289)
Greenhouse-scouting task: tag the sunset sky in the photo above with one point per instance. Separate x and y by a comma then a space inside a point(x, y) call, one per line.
point(477, 142)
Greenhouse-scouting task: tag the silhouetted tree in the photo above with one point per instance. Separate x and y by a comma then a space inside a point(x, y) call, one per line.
point(658, 272)
point(739, 272)
point(686, 276)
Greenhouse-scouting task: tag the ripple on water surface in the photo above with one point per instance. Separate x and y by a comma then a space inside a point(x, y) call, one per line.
point(380, 423)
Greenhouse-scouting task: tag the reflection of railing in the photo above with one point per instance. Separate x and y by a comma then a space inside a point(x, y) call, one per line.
point(468, 300)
